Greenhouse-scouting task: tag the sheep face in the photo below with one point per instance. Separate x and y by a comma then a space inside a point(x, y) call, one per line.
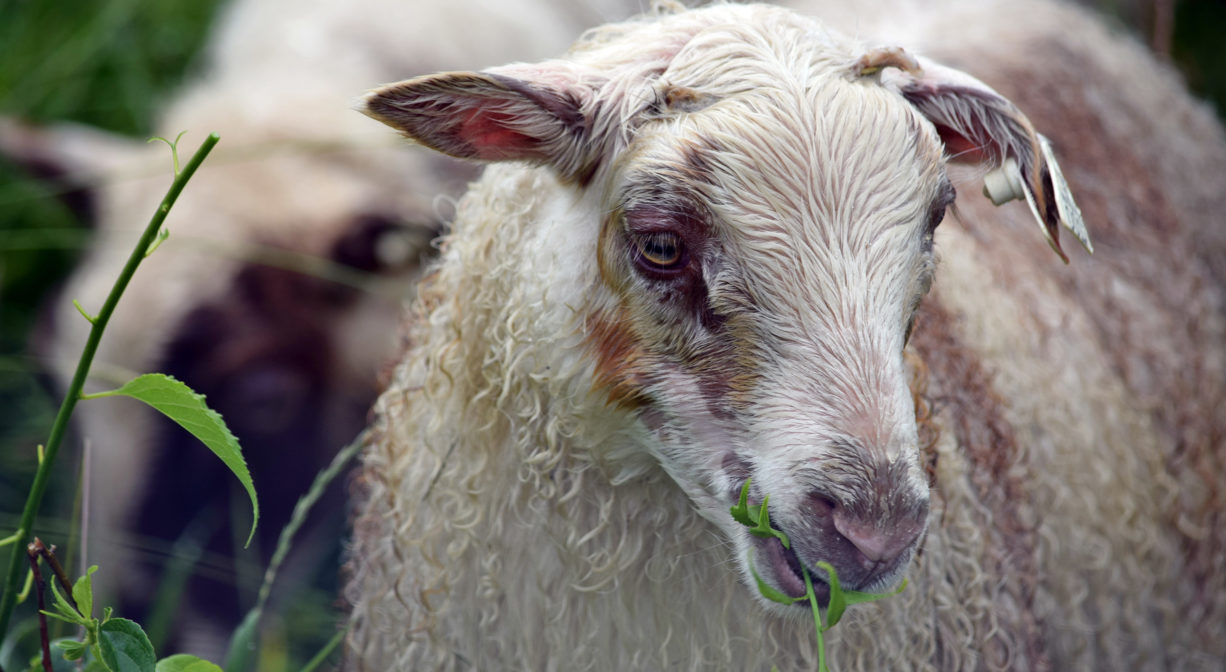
point(763, 236)
point(759, 279)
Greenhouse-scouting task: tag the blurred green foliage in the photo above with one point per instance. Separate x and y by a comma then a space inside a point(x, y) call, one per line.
point(104, 63)
point(1197, 47)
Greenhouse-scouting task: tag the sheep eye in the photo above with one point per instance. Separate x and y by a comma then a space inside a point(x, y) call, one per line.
point(660, 251)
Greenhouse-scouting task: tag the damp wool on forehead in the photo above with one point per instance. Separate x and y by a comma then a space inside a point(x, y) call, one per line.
point(811, 164)
point(819, 223)
point(796, 178)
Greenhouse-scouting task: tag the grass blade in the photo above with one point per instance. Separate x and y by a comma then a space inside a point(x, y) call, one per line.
point(243, 640)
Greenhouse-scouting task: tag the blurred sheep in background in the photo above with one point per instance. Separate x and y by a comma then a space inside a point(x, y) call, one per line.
point(278, 292)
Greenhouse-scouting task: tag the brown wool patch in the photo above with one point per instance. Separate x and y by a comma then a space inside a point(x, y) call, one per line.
point(963, 389)
point(925, 422)
point(617, 356)
point(1142, 237)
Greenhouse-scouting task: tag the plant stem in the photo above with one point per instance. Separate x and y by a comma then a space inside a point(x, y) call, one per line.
point(73, 394)
point(53, 562)
point(15, 538)
point(817, 621)
point(33, 554)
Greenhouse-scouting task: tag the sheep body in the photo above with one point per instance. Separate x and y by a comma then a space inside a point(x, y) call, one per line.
point(516, 513)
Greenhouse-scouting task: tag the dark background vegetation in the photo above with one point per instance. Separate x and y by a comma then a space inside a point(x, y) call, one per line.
point(112, 63)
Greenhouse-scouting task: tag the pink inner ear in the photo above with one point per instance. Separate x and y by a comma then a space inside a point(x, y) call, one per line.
point(490, 135)
point(962, 149)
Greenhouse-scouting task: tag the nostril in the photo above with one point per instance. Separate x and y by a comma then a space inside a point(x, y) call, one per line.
point(879, 541)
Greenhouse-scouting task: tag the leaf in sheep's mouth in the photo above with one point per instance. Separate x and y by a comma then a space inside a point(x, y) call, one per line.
point(786, 569)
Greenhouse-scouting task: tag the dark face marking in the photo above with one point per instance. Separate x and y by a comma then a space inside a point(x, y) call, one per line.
point(660, 224)
point(377, 243)
point(936, 214)
point(944, 200)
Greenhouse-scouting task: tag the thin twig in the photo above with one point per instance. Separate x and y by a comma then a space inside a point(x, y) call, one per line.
point(58, 569)
point(32, 552)
point(73, 394)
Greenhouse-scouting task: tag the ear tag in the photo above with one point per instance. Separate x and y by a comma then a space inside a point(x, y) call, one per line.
point(1004, 184)
point(1070, 214)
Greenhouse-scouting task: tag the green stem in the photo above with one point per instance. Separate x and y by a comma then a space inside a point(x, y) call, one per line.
point(326, 651)
point(60, 426)
point(243, 640)
point(817, 621)
point(17, 536)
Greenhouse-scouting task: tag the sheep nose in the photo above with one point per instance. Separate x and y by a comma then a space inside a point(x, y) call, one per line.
point(863, 543)
point(880, 542)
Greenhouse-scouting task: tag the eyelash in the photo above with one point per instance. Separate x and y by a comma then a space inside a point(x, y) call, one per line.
point(660, 251)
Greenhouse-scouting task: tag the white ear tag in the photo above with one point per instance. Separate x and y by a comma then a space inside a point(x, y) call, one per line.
point(1004, 184)
point(1070, 214)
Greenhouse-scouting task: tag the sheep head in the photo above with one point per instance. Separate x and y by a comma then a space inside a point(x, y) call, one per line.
point(766, 206)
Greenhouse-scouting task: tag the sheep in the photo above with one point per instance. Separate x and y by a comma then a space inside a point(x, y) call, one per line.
point(289, 358)
point(697, 259)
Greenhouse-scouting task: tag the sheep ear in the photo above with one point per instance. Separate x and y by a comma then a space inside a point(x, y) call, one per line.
point(980, 126)
point(489, 116)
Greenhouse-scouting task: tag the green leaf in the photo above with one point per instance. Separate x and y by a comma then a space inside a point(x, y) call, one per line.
point(855, 597)
point(764, 528)
point(180, 403)
point(125, 648)
point(740, 512)
point(770, 592)
point(73, 650)
point(83, 592)
point(185, 663)
point(840, 599)
point(757, 518)
point(65, 612)
point(838, 602)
